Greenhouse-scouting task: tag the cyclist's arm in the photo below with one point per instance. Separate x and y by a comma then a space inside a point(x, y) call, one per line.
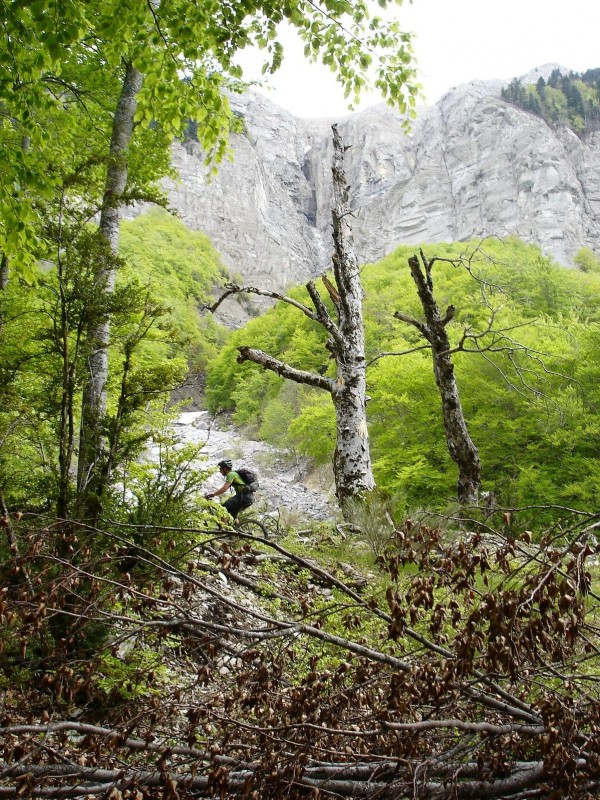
point(223, 488)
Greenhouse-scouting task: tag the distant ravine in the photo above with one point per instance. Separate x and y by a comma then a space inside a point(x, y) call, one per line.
point(281, 477)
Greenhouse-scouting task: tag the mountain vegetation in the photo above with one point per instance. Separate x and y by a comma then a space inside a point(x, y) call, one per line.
point(165, 272)
point(126, 81)
point(526, 371)
point(182, 268)
point(161, 653)
point(150, 649)
point(572, 100)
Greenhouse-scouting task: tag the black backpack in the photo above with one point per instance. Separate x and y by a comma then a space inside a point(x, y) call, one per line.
point(249, 477)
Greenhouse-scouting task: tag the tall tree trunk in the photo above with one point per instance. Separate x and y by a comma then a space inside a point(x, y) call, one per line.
point(460, 445)
point(352, 459)
point(66, 445)
point(3, 272)
point(3, 285)
point(90, 477)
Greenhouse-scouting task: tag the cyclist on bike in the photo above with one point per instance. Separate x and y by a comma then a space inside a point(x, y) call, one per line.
point(243, 497)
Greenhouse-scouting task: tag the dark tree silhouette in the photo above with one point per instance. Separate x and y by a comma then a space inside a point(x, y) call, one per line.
point(460, 445)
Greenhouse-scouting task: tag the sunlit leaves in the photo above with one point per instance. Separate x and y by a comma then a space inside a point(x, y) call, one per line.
point(156, 326)
point(62, 61)
point(532, 412)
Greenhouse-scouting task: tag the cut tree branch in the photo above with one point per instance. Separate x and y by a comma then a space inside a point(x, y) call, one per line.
point(284, 370)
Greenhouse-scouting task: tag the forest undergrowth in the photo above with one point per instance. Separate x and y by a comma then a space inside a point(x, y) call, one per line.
point(457, 660)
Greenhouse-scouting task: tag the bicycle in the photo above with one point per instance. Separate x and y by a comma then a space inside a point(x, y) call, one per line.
point(267, 525)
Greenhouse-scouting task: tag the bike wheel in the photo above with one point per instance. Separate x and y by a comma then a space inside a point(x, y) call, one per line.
point(262, 528)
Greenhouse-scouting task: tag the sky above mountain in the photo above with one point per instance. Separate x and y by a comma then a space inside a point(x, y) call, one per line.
point(456, 41)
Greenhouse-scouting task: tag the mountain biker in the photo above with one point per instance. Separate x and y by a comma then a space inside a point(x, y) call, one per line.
point(243, 497)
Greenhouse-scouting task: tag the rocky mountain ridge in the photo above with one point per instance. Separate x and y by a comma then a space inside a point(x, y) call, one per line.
point(472, 166)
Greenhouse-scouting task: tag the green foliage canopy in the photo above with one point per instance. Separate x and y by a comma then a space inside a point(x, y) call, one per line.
point(181, 266)
point(531, 403)
point(64, 61)
point(167, 271)
point(572, 100)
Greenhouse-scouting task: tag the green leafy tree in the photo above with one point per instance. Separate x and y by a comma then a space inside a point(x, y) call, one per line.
point(587, 260)
point(43, 354)
point(178, 57)
point(182, 266)
point(166, 64)
point(531, 403)
point(571, 99)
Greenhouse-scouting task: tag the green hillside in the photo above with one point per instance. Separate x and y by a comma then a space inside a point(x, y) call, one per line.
point(182, 268)
point(531, 403)
point(572, 99)
point(159, 335)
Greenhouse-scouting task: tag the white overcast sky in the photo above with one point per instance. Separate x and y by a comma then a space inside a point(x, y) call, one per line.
point(457, 41)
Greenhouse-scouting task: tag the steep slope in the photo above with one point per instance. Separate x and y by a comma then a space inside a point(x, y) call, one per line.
point(472, 166)
point(259, 209)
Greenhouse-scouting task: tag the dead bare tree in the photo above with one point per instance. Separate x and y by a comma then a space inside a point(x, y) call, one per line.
point(443, 680)
point(460, 445)
point(491, 342)
point(352, 458)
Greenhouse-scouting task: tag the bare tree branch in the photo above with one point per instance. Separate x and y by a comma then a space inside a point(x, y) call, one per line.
point(460, 445)
point(324, 316)
point(420, 326)
point(233, 288)
point(284, 370)
point(399, 353)
point(352, 467)
point(314, 691)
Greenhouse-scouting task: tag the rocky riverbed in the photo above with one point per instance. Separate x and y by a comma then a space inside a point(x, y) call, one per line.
point(284, 484)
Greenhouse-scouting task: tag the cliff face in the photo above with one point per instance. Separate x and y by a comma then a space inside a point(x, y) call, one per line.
point(472, 166)
point(259, 209)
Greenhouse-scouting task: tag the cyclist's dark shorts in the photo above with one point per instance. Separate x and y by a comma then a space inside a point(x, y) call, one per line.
point(239, 502)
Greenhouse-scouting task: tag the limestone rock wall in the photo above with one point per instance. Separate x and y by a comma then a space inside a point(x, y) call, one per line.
point(472, 166)
point(258, 209)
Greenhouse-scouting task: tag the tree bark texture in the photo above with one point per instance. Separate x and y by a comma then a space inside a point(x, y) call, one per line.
point(3, 285)
point(352, 459)
point(3, 272)
point(92, 439)
point(460, 445)
point(67, 429)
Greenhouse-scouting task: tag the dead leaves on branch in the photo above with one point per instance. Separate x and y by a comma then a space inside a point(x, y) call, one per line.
point(467, 668)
